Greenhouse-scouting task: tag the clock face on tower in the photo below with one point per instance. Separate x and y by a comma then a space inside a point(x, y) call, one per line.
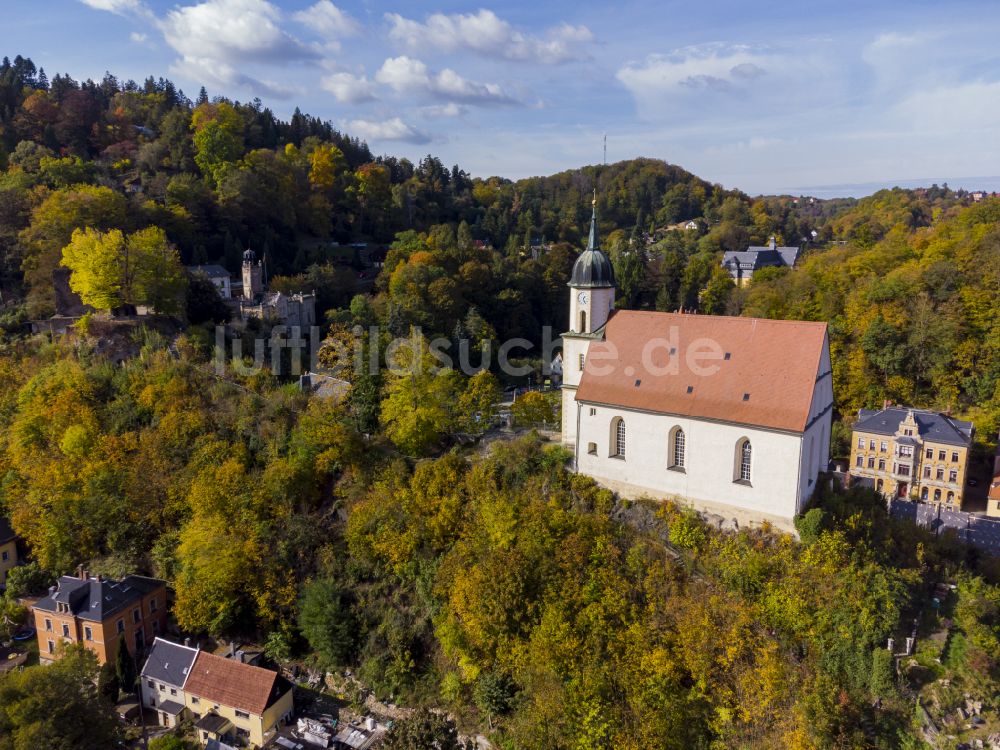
point(582, 297)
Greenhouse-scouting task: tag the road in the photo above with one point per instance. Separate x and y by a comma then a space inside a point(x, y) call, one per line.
point(972, 528)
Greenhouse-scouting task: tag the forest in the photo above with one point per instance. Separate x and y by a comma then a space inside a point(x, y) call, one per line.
point(525, 600)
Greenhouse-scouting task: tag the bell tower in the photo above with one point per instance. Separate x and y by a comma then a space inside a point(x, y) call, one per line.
point(591, 300)
point(253, 276)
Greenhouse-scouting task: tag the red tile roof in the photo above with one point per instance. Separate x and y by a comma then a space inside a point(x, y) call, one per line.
point(767, 380)
point(230, 682)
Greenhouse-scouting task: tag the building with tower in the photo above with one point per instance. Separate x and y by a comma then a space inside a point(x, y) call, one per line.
point(298, 309)
point(731, 415)
point(253, 276)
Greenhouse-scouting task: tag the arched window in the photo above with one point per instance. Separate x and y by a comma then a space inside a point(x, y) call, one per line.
point(583, 321)
point(951, 497)
point(678, 448)
point(937, 495)
point(618, 437)
point(744, 453)
point(923, 494)
point(879, 484)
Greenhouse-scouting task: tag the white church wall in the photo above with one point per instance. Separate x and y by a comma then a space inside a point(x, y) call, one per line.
point(816, 441)
point(710, 464)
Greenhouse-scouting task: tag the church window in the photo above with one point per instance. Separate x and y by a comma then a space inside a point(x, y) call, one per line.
point(592, 449)
point(593, 411)
point(678, 448)
point(583, 359)
point(618, 437)
point(746, 453)
point(583, 321)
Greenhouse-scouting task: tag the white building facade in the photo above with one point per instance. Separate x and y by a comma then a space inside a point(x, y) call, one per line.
point(731, 415)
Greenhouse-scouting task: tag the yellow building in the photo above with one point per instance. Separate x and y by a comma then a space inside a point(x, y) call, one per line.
point(233, 701)
point(912, 454)
point(8, 550)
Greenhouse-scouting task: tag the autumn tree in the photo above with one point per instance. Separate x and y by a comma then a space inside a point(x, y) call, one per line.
point(110, 269)
point(56, 706)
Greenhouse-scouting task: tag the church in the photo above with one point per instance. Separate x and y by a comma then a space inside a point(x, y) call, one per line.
point(730, 415)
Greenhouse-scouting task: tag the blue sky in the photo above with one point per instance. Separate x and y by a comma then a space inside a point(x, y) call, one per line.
point(765, 96)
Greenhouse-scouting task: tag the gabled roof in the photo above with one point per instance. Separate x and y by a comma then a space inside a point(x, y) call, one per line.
point(932, 426)
point(756, 258)
point(764, 377)
point(230, 682)
point(6, 532)
point(169, 662)
point(212, 270)
point(97, 599)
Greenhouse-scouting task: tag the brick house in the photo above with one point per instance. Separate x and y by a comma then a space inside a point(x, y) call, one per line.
point(98, 612)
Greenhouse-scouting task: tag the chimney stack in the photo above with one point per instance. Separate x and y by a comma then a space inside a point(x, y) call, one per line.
point(886, 404)
point(241, 656)
point(773, 242)
point(81, 572)
point(187, 642)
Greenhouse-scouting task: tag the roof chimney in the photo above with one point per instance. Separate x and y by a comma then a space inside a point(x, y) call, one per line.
point(241, 656)
point(81, 572)
point(886, 404)
point(187, 642)
point(773, 242)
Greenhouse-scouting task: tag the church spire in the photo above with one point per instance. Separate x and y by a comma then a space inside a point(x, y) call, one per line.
point(593, 243)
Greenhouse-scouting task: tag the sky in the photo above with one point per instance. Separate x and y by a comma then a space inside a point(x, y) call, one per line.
point(822, 98)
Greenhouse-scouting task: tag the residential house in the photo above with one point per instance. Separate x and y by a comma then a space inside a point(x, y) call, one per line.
point(233, 702)
point(912, 454)
point(99, 612)
point(162, 679)
point(218, 276)
point(8, 550)
point(742, 264)
point(709, 409)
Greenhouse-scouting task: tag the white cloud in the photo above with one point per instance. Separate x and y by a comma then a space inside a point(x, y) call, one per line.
point(451, 109)
point(328, 19)
point(218, 39)
point(406, 75)
point(393, 129)
point(487, 34)
point(714, 67)
point(113, 6)
point(349, 88)
point(403, 74)
point(232, 31)
point(138, 38)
